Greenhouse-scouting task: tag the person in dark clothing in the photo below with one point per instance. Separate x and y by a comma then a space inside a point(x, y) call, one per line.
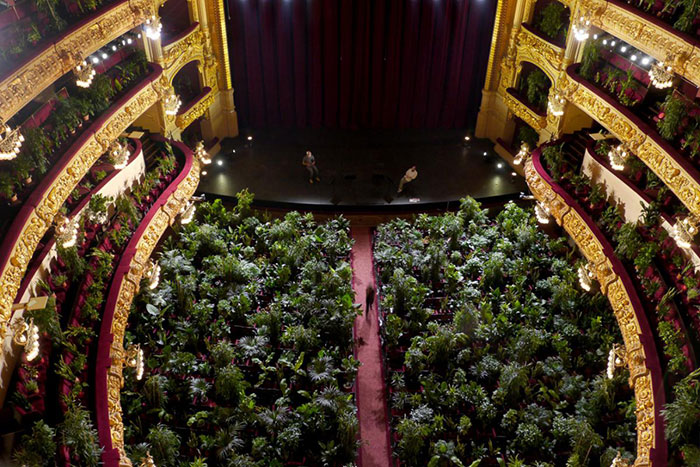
point(369, 298)
point(309, 162)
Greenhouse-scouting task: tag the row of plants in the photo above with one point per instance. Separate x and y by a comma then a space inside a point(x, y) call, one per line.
point(44, 145)
point(553, 22)
point(58, 421)
point(666, 281)
point(494, 355)
point(682, 15)
point(249, 344)
point(45, 19)
point(533, 88)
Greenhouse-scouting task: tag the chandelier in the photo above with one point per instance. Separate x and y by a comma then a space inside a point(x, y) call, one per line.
point(581, 29)
point(10, 141)
point(119, 154)
point(616, 359)
point(661, 75)
point(26, 334)
point(172, 102)
point(522, 154)
point(66, 232)
point(556, 105)
point(202, 154)
point(542, 213)
point(153, 28)
point(585, 277)
point(84, 73)
point(684, 231)
point(618, 156)
point(134, 359)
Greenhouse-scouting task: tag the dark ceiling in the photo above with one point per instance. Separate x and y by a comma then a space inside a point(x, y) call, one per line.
point(359, 63)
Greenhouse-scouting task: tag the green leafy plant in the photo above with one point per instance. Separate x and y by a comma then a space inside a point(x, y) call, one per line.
point(552, 21)
point(674, 113)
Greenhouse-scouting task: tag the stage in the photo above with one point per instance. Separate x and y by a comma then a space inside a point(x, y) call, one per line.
point(360, 169)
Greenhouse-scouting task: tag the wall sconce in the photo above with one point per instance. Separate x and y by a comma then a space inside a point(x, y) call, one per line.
point(134, 359)
point(10, 141)
point(586, 276)
point(542, 213)
point(661, 75)
point(684, 231)
point(84, 72)
point(202, 154)
point(66, 231)
point(153, 274)
point(522, 155)
point(617, 358)
point(617, 156)
point(118, 154)
point(172, 102)
point(556, 105)
point(187, 212)
point(582, 28)
point(153, 28)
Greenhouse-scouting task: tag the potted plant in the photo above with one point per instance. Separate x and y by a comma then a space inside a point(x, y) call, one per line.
point(7, 187)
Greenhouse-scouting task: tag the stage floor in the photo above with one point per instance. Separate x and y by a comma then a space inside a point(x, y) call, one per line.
point(359, 168)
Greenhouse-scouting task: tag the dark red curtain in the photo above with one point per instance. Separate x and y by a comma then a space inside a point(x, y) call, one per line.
point(359, 63)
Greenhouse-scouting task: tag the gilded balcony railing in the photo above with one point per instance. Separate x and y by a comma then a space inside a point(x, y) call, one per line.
point(60, 56)
point(642, 358)
point(647, 33)
point(670, 166)
point(195, 109)
point(38, 212)
point(125, 285)
point(521, 110)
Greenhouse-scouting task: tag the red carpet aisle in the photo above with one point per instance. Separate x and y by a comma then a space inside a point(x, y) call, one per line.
point(371, 401)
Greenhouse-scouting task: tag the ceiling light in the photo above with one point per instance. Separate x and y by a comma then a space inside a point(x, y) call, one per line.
point(645, 61)
point(128, 40)
point(633, 58)
point(219, 162)
point(95, 60)
point(623, 49)
point(612, 43)
point(114, 48)
point(204, 172)
point(104, 56)
point(250, 138)
point(499, 165)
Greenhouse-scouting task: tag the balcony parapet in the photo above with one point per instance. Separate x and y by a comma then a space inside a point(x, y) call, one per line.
point(57, 58)
point(648, 34)
point(534, 48)
point(195, 109)
point(672, 168)
point(523, 111)
point(37, 214)
point(184, 48)
point(125, 285)
point(643, 361)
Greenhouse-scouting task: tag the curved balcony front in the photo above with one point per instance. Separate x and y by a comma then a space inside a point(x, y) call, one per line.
point(125, 284)
point(647, 33)
point(58, 57)
point(643, 359)
point(195, 108)
point(676, 171)
point(37, 214)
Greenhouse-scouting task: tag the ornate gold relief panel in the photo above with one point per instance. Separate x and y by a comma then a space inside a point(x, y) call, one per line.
point(163, 218)
point(640, 377)
point(44, 213)
point(56, 60)
point(536, 121)
point(184, 120)
point(658, 160)
point(532, 48)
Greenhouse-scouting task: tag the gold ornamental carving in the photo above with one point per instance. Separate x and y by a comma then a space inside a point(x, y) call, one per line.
point(60, 57)
point(613, 287)
point(128, 288)
point(185, 119)
point(534, 49)
point(650, 38)
point(654, 156)
point(183, 51)
point(533, 119)
point(43, 214)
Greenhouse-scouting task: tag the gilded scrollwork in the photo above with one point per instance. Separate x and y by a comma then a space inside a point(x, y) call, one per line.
point(61, 57)
point(533, 119)
point(654, 156)
point(185, 119)
point(128, 288)
point(43, 214)
point(613, 287)
point(532, 48)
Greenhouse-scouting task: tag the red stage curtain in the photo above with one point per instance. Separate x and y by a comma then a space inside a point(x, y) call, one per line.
point(359, 63)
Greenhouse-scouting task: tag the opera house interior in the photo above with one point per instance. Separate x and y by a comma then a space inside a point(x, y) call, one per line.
point(372, 233)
